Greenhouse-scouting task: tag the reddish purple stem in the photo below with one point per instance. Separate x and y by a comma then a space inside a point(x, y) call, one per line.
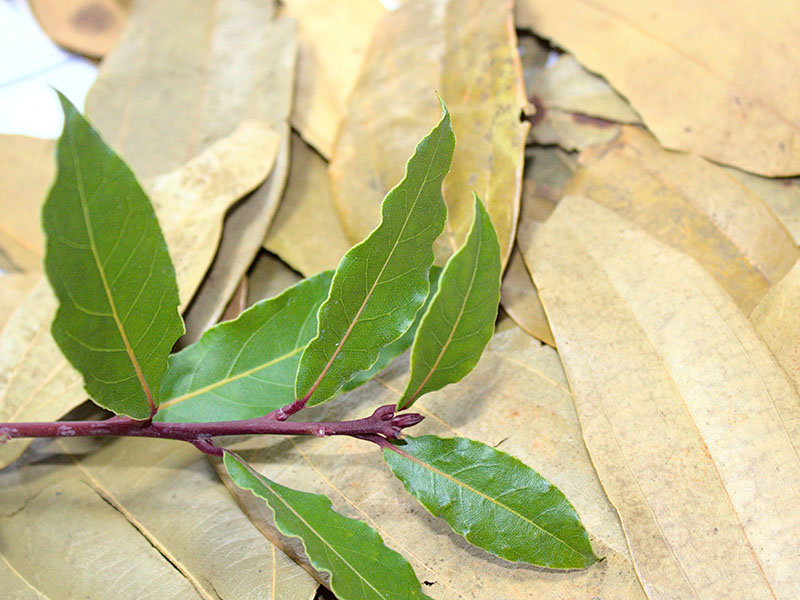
point(383, 423)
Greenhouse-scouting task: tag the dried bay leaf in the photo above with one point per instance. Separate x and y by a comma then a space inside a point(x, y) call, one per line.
point(776, 320)
point(567, 86)
point(680, 403)
point(161, 99)
point(331, 51)
point(27, 168)
point(13, 289)
point(191, 201)
point(693, 206)
point(737, 103)
point(268, 277)
point(36, 382)
point(518, 401)
point(547, 172)
point(570, 131)
point(466, 50)
point(306, 231)
point(161, 522)
point(781, 195)
point(520, 300)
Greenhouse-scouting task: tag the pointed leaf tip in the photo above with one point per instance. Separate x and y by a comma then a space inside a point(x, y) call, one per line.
point(494, 500)
point(382, 282)
point(109, 266)
point(459, 321)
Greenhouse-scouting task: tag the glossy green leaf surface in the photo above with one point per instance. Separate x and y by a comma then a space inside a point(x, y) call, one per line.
point(361, 567)
point(460, 319)
point(245, 368)
point(382, 282)
point(109, 266)
point(391, 351)
point(494, 500)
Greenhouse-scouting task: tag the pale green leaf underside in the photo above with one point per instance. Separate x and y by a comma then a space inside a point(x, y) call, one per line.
point(245, 368)
point(460, 319)
point(382, 282)
point(109, 266)
point(391, 351)
point(360, 565)
point(494, 500)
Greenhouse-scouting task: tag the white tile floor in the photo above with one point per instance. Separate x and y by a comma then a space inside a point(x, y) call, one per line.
point(30, 66)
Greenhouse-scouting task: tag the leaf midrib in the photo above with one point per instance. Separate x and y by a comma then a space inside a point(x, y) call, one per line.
point(265, 483)
point(98, 263)
point(353, 322)
point(457, 321)
point(230, 379)
point(489, 498)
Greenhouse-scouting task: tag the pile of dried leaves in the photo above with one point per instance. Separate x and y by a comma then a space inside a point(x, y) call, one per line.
point(636, 159)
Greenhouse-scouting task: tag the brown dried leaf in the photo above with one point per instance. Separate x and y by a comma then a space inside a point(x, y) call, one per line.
point(137, 519)
point(691, 423)
point(333, 41)
point(306, 231)
point(27, 168)
point(90, 27)
point(715, 80)
point(695, 207)
point(518, 400)
point(466, 50)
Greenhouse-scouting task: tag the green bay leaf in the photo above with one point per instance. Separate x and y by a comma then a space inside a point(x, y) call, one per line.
point(495, 501)
point(361, 567)
point(245, 368)
point(382, 282)
point(111, 272)
point(460, 319)
point(391, 351)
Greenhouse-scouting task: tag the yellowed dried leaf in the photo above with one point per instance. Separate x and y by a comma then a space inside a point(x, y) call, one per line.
point(268, 277)
point(777, 320)
point(465, 50)
point(191, 201)
point(691, 423)
point(306, 231)
point(333, 41)
point(714, 79)
point(27, 168)
point(13, 289)
point(570, 131)
point(781, 195)
point(520, 300)
point(519, 401)
point(567, 86)
point(695, 207)
point(135, 519)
